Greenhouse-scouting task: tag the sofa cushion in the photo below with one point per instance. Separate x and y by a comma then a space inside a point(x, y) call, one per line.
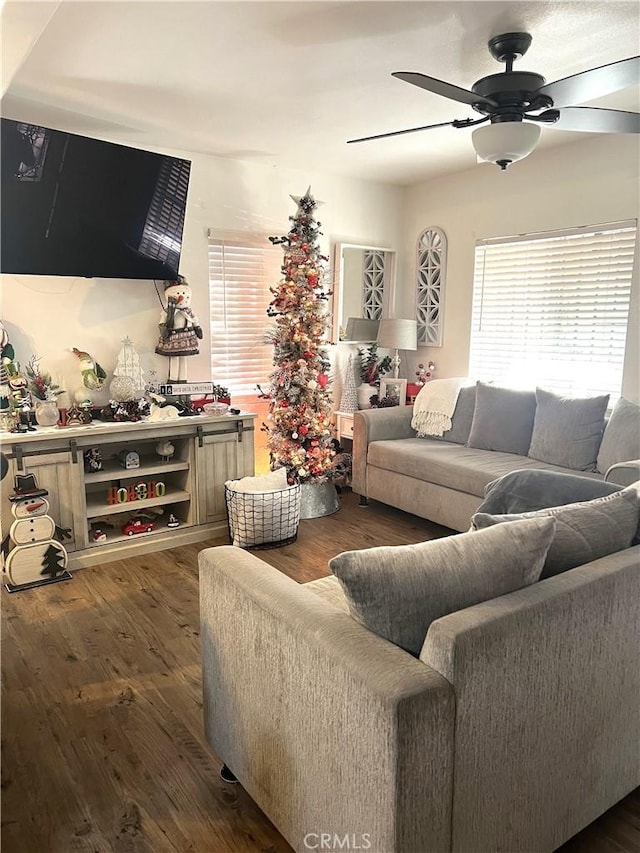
point(463, 469)
point(329, 589)
point(528, 490)
point(621, 439)
point(461, 418)
point(502, 419)
point(397, 591)
point(567, 431)
point(586, 530)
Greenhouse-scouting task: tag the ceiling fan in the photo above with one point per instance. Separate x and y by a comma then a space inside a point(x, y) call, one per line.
point(513, 101)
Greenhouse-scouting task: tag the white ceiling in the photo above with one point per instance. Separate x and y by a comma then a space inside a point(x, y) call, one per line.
point(287, 83)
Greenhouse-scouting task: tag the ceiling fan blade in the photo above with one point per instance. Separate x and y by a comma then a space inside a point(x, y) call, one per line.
point(400, 132)
point(439, 87)
point(598, 120)
point(593, 83)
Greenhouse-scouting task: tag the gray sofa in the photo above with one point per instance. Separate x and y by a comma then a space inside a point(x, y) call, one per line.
point(444, 479)
point(517, 726)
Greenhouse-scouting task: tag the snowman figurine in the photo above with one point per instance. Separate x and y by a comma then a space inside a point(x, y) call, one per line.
point(36, 556)
point(180, 329)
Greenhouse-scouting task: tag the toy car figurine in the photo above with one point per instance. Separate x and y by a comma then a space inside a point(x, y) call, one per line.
point(137, 525)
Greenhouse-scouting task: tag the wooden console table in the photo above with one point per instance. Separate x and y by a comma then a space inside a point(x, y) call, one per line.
point(187, 485)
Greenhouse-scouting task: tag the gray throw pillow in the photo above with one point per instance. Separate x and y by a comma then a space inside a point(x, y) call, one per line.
point(503, 419)
point(567, 431)
point(461, 418)
point(397, 591)
point(530, 489)
point(585, 531)
point(621, 439)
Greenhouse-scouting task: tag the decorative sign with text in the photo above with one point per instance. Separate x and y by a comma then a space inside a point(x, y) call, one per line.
point(136, 492)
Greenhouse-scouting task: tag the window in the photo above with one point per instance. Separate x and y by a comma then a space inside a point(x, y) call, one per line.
point(241, 271)
point(162, 234)
point(552, 309)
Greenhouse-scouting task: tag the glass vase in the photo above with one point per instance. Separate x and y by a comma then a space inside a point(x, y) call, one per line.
point(47, 414)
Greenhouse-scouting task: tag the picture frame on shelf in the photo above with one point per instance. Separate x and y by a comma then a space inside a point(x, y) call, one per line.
point(396, 389)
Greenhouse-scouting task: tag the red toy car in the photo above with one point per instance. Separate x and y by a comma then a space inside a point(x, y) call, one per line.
point(198, 403)
point(137, 525)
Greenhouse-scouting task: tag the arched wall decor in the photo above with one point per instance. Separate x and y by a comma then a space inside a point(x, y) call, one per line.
point(431, 269)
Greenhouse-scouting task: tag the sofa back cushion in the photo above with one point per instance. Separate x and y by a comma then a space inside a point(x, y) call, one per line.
point(621, 439)
point(585, 531)
point(567, 431)
point(461, 418)
point(502, 419)
point(398, 591)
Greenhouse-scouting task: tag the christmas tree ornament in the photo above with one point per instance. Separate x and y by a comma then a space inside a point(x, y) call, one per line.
point(349, 398)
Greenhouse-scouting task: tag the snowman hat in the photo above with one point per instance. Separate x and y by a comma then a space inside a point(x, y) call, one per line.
point(26, 486)
point(180, 279)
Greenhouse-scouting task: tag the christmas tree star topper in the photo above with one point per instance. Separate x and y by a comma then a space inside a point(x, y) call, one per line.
point(306, 202)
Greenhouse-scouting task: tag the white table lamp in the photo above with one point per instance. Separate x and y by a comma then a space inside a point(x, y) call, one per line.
point(397, 335)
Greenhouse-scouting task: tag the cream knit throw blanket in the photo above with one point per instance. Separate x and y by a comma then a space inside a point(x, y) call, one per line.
point(435, 405)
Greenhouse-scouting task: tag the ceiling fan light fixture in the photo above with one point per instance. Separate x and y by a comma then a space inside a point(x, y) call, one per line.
point(505, 142)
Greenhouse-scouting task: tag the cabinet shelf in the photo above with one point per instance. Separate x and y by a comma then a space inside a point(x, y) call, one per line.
point(97, 508)
point(114, 535)
point(112, 470)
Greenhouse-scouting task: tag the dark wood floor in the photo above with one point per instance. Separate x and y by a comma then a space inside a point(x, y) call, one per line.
point(102, 744)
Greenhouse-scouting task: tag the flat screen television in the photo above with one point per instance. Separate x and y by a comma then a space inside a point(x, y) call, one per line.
point(72, 205)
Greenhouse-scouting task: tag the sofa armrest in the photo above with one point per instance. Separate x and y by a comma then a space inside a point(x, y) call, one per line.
point(327, 726)
point(547, 714)
point(376, 425)
point(624, 473)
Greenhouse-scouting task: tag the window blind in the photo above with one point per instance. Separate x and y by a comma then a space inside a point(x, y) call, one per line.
point(241, 271)
point(162, 233)
point(552, 309)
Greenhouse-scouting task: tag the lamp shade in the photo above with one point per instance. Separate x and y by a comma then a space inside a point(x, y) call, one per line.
point(361, 329)
point(505, 142)
point(398, 334)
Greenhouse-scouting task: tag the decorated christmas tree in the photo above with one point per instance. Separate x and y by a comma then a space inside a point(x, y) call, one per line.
point(300, 431)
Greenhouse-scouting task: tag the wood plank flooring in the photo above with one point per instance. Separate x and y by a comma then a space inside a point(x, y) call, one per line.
point(102, 743)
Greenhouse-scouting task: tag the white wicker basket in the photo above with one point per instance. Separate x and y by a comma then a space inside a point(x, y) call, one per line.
point(263, 519)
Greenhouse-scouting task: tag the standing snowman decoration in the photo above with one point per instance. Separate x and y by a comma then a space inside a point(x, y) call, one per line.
point(180, 329)
point(36, 556)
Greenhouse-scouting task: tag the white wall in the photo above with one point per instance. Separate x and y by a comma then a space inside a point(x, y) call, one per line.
point(592, 181)
point(46, 316)
point(589, 182)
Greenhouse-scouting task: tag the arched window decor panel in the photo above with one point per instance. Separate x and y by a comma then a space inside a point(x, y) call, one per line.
point(430, 272)
point(373, 284)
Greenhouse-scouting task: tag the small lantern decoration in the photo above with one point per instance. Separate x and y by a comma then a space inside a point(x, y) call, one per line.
point(129, 459)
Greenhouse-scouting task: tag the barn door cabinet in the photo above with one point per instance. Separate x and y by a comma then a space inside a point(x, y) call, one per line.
point(221, 455)
point(177, 496)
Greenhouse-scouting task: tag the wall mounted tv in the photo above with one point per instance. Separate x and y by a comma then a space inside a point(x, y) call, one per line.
point(81, 207)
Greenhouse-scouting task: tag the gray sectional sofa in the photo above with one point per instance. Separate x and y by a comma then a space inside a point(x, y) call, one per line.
point(494, 431)
point(477, 693)
point(510, 726)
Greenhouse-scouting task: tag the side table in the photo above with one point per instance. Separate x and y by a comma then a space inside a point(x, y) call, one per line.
point(344, 426)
